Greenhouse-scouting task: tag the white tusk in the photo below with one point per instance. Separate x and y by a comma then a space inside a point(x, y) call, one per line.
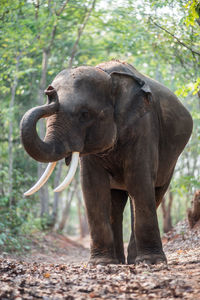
point(42, 179)
point(71, 173)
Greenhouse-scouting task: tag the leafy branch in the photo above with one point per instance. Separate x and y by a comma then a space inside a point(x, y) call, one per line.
point(175, 37)
point(59, 12)
point(80, 31)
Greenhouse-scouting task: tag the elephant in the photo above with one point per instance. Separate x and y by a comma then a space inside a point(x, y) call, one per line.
point(128, 131)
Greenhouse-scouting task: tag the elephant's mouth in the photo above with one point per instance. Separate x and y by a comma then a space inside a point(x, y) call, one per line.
point(68, 159)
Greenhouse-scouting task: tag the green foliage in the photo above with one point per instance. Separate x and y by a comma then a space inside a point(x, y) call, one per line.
point(193, 8)
point(127, 222)
point(11, 238)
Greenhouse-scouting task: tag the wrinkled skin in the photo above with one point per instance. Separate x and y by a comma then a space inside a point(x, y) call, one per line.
point(130, 131)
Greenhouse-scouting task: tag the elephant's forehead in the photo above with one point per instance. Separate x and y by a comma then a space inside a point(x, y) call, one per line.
point(84, 85)
point(80, 77)
point(80, 99)
point(78, 91)
point(74, 102)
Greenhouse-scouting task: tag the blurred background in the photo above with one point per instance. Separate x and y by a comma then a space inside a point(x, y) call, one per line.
point(38, 39)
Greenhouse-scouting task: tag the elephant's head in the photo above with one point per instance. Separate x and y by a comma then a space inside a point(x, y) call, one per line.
point(81, 115)
point(80, 118)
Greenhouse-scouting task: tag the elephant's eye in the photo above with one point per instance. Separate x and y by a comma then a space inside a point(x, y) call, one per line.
point(84, 116)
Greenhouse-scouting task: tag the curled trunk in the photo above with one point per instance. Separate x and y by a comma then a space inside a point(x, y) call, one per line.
point(43, 151)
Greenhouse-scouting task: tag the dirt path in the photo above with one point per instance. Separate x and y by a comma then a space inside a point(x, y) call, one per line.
point(60, 271)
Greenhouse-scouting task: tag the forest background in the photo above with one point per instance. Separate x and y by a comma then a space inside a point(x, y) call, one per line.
point(38, 39)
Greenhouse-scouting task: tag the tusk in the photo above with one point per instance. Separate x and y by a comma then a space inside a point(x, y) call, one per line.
point(42, 179)
point(71, 173)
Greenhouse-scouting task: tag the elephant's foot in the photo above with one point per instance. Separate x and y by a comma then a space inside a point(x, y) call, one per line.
point(103, 261)
point(121, 260)
point(131, 258)
point(119, 255)
point(103, 256)
point(151, 259)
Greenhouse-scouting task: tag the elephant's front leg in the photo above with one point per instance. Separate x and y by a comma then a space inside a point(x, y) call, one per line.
point(96, 192)
point(147, 235)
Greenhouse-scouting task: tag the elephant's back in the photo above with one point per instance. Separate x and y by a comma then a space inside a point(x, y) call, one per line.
point(175, 118)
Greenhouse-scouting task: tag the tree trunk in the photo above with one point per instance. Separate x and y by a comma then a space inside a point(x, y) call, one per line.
point(83, 225)
point(66, 210)
point(79, 34)
point(79, 215)
point(194, 212)
point(10, 134)
point(56, 195)
point(37, 6)
point(166, 210)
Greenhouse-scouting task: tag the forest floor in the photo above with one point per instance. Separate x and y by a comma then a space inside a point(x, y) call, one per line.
point(57, 268)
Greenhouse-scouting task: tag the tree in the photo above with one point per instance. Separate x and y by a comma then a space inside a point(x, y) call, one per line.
point(166, 206)
point(194, 212)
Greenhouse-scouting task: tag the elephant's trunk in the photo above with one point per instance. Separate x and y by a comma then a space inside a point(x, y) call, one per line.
point(43, 151)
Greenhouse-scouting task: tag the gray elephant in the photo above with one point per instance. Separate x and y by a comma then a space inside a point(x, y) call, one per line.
point(129, 131)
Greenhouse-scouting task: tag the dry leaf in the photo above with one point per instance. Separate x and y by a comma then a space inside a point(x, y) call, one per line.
point(46, 275)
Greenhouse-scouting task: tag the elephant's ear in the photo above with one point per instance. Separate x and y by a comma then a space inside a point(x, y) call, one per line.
point(143, 86)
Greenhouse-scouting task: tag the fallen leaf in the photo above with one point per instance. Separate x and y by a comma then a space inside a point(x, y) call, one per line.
point(46, 275)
